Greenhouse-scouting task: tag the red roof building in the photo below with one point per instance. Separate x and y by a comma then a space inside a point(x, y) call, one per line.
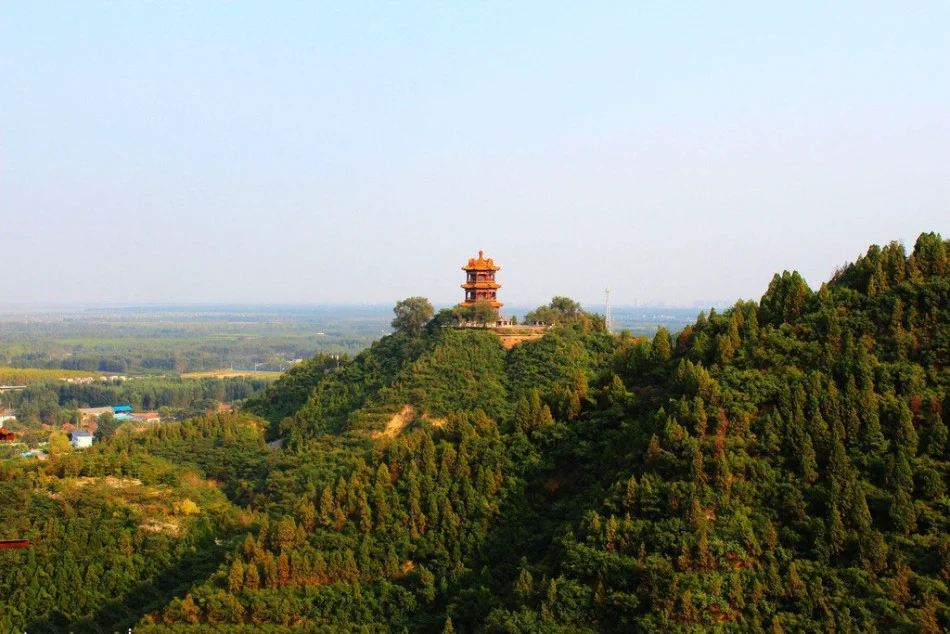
point(480, 284)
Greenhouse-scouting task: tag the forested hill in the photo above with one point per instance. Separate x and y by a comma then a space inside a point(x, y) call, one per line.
point(781, 466)
point(436, 371)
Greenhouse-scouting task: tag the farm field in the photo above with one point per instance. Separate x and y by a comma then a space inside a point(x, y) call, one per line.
point(25, 376)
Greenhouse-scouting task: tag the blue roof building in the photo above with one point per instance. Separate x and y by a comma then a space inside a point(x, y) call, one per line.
point(121, 409)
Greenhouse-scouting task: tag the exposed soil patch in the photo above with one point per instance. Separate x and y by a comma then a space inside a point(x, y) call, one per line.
point(435, 422)
point(397, 423)
point(510, 341)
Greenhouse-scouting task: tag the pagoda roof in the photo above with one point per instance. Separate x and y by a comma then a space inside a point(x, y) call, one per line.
point(481, 264)
point(482, 284)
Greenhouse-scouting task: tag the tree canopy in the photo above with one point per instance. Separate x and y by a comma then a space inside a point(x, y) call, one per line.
point(412, 314)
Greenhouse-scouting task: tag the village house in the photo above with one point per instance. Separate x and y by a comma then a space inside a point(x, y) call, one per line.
point(81, 439)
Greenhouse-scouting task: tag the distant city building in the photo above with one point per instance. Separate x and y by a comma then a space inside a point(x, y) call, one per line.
point(80, 439)
point(480, 284)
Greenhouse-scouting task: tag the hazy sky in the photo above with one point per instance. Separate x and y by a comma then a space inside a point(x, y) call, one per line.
point(363, 151)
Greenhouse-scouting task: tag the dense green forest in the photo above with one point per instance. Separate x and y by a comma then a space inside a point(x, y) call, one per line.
point(116, 530)
point(780, 466)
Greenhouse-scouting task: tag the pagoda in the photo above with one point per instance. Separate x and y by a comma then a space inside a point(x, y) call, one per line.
point(480, 284)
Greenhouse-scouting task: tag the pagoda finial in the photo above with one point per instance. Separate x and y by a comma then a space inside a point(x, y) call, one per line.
point(480, 256)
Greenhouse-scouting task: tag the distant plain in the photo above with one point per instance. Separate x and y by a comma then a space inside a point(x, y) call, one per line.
point(219, 339)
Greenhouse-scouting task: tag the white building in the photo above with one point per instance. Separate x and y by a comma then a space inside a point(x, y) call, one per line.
point(81, 439)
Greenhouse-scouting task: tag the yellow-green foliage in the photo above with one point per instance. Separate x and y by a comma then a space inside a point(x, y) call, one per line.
point(25, 376)
point(187, 507)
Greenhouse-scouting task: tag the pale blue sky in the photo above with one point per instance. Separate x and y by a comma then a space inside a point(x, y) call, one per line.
point(361, 152)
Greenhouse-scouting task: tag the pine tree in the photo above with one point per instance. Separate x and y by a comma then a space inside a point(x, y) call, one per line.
point(285, 534)
point(874, 442)
point(523, 416)
point(704, 558)
point(771, 536)
point(610, 534)
point(271, 579)
point(795, 585)
point(189, 610)
point(327, 508)
point(253, 580)
point(340, 496)
point(902, 512)
point(427, 456)
point(546, 419)
point(936, 430)
point(688, 614)
point(366, 516)
point(928, 616)
point(697, 473)
point(906, 435)
point(839, 465)
point(809, 462)
point(534, 409)
point(662, 346)
point(899, 586)
point(835, 530)
point(685, 561)
point(873, 553)
point(655, 451)
point(700, 417)
point(630, 493)
point(860, 517)
point(236, 577)
point(524, 586)
point(723, 475)
point(736, 594)
point(616, 391)
point(307, 514)
point(725, 352)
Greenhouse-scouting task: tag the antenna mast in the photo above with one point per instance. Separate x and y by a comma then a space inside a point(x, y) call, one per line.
point(607, 323)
